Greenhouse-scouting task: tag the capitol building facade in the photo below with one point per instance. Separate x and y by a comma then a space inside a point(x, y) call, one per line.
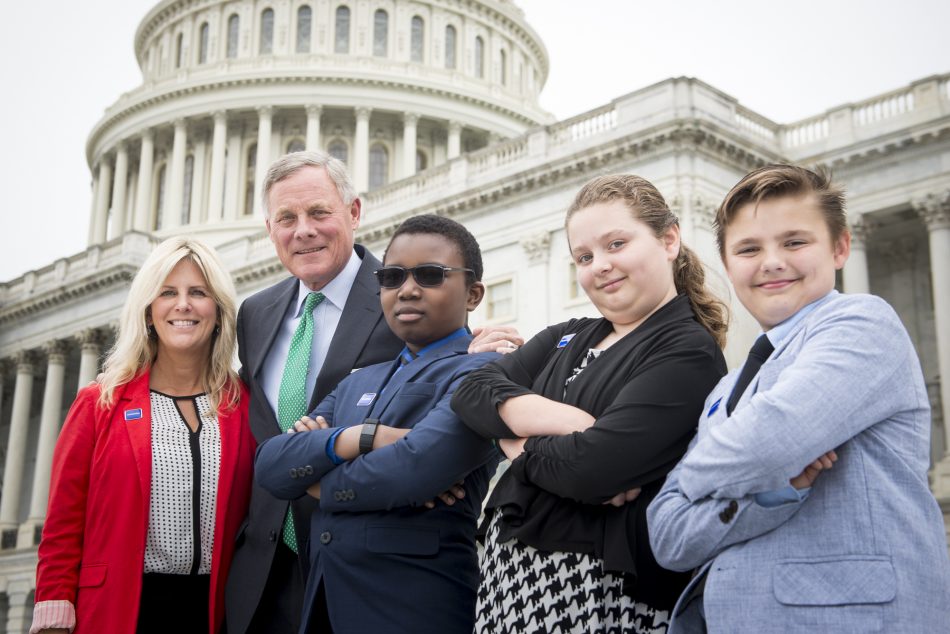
point(433, 105)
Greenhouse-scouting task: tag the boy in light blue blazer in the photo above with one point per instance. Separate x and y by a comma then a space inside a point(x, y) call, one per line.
point(385, 444)
point(853, 541)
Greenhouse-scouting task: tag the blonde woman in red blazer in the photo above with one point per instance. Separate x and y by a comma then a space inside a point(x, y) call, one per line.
point(152, 470)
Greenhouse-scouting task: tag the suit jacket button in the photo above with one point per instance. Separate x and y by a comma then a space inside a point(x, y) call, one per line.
point(325, 537)
point(724, 517)
point(308, 470)
point(272, 536)
point(336, 496)
point(350, 494)
point(293, 472)
point(733, 507)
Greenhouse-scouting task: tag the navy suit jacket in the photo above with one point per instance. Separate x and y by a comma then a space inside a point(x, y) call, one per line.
point(387, 563)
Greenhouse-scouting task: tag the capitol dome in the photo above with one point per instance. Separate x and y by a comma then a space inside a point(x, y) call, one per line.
point(390, 87)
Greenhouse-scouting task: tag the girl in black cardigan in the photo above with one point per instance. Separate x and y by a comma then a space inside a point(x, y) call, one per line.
point(593, 414)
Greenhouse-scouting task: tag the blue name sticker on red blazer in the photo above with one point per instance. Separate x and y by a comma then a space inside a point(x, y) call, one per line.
point(565, 340)
point(133, 414)
point(366, 399)
point(715, 406)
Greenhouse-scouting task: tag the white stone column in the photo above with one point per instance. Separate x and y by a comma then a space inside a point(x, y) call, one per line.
point(455, 140)
point(199, 212)
point(118, 190)
point(90, 346)
point(359, 169)
point(101, 214)
point(264, 127)
point(533, 304)
point(143, 190)
point(313, 127)
point(935, 212)
point(855, 273)
point(19, 613)
point(409, 121)
point(174, 201)
point(232, 177)
point(216, 176)
point(16, 445)
point(50, 419)
point(91, 235)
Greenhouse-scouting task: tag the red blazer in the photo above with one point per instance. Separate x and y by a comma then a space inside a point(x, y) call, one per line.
point(93, 548)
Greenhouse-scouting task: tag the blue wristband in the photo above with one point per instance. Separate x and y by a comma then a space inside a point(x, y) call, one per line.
point(331, 447)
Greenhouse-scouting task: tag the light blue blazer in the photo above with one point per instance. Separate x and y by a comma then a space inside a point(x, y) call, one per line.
point(866, 551)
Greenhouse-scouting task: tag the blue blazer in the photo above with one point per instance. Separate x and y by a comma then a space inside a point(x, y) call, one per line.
point(387, 563)
point(866, 550)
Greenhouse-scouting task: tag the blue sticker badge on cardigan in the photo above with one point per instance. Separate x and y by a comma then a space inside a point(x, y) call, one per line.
point(366, 399)
point(133, 414)
point(565, 340)
point(715, 406)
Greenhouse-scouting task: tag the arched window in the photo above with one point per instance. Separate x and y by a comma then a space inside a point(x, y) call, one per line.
point(380, 33)
point(186, 189)
point(417, 45)
point(479, 57)
point(159, 199)
point(304, 15)
point(296, 145)
point(422, 162)
point(267, 32)
point(378, 166)
point(450, 46)
point(338, 150)
point(249, 180)
point(342, 38)
point(179, 50)
point(234, 26)
point(503, 60)
point(203, 44)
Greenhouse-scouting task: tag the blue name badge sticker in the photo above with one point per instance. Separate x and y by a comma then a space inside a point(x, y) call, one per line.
point(133, 414)
point(714, 407)
point(366, 399)
point(566, 339)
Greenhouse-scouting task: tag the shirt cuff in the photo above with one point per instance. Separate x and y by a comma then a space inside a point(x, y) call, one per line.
point(785, 495)
point(53, 614)
point(331, 447)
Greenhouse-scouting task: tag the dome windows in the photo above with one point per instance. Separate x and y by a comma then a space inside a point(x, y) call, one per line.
point(380, 33)
point(304, 22)
point(341, 39)
point(479, 57)
point(267, 32)
point(417, 40)
point(234, 26)
point(203, 44)
point(450, 47)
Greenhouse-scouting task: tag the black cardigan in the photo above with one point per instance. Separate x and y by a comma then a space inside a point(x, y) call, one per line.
point(646, 392)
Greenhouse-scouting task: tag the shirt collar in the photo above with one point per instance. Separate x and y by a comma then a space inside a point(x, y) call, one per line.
point(336, 290)
point(778, 334)
point(406, 354)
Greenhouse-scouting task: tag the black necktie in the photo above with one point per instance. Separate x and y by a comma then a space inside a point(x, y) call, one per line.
point(760, 351)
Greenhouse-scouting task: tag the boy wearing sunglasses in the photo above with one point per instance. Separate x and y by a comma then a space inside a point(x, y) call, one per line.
point(384, 555)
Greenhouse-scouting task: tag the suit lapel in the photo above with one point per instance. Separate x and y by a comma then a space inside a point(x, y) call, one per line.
point(360, 315)
point(267, 324)
point(135, 397)
point(411, 371)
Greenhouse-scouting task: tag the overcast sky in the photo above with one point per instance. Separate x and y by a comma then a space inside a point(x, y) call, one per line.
point(62, 62)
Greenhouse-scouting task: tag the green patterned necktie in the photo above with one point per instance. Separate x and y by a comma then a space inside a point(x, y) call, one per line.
point(292, 399)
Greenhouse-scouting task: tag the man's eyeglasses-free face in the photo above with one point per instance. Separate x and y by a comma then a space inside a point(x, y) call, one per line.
point(424, 274)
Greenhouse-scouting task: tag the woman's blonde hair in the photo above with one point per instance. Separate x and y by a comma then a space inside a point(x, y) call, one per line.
point(136, 344)
point(647, 205)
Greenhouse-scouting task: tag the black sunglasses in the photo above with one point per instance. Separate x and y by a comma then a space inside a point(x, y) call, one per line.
point(424, 274)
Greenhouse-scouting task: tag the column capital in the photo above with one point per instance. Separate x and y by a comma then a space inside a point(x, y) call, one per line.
point(314, 110)
point(934, 210)
point(121, 146)
point(265, 111)
point(24, 360)
point(179, 123)
point(90, 338)
point(148, 133)
point(861, 229)
point(363, 113)
point(220, 116)
point(537, 246)
point(55, 351)
point(410, 118)
point(455, 127)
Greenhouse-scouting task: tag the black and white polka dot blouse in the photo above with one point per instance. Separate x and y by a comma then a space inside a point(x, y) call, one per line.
point(185, 466)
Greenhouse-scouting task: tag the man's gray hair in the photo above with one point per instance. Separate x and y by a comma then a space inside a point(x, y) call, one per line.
point(288, 164)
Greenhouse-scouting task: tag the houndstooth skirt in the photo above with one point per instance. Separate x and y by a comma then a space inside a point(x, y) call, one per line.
point(524, 590)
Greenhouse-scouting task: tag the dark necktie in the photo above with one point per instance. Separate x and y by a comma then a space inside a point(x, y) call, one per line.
point(760, 351)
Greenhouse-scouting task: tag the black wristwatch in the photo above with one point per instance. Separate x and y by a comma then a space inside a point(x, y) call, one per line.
point(367, 434)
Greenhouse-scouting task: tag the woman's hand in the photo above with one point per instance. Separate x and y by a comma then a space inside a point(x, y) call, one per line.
point(810, 473)
point(455, 492)
point(501, 339)
point(623, 497)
